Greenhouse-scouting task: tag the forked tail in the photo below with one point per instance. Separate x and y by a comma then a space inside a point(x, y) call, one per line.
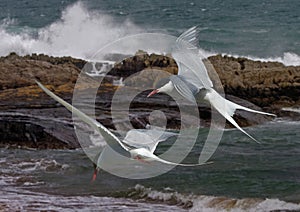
point(227, 108)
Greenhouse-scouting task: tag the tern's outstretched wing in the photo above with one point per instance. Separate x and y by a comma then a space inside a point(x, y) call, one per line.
point(188, 59)
point(149, 156)
point(178, 164)
point(146, 138)
point(110, 138)
point(190, 36)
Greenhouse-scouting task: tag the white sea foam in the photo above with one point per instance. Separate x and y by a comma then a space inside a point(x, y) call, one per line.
point(288, 58)
point(15, 199)
point(78, 33)
point(30, 165)
point(222, 204)
point(213, 203)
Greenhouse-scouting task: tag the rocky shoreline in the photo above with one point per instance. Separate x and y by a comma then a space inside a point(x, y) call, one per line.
point(29, 118)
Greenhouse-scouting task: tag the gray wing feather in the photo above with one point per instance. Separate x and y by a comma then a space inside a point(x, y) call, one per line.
point(190, 36)
point(188, 59)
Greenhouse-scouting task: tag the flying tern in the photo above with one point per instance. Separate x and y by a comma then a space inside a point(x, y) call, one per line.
point(138, 144)
point(193, 82)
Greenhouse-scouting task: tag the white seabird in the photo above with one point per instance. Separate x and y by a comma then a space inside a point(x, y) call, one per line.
point(193, 82)
point(137, 144)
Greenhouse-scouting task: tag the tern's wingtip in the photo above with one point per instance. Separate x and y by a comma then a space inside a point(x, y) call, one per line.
point(258, 142)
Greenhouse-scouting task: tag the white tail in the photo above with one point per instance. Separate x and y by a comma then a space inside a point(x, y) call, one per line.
point(227, 108)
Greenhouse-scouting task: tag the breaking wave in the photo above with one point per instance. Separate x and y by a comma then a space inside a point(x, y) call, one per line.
point(210, 203)
point(78, 33)
point(288, 58)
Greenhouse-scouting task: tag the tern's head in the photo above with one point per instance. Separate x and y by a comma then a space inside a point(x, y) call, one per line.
point(167, 88)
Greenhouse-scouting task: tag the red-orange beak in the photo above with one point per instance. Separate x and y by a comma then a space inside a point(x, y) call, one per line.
point(152, 93)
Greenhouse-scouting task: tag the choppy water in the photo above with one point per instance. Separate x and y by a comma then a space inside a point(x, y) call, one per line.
point(244, 176)
point(266, 30)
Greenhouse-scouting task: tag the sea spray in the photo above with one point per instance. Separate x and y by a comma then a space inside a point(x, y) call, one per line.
point(78, 33)
point(288, 58)
point(209, 203)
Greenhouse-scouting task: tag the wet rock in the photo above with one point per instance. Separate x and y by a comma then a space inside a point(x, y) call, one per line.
point(29, 117)
point(266, 84)
point(37, 129)
point(142, 61)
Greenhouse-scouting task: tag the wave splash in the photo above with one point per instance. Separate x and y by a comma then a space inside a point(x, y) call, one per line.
point(288, 58)
point(78, 33)
point(210, 203)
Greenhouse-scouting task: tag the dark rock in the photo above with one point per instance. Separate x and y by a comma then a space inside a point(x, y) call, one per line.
point(245, 118)
point(266, 84)
point(25, 128)
point(139, 62)
point(28, 117)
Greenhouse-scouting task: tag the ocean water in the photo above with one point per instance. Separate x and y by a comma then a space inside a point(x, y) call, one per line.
point(245, 176)
point(258, 29)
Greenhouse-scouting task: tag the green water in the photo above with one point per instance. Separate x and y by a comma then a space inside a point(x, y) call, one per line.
point(241, 168)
